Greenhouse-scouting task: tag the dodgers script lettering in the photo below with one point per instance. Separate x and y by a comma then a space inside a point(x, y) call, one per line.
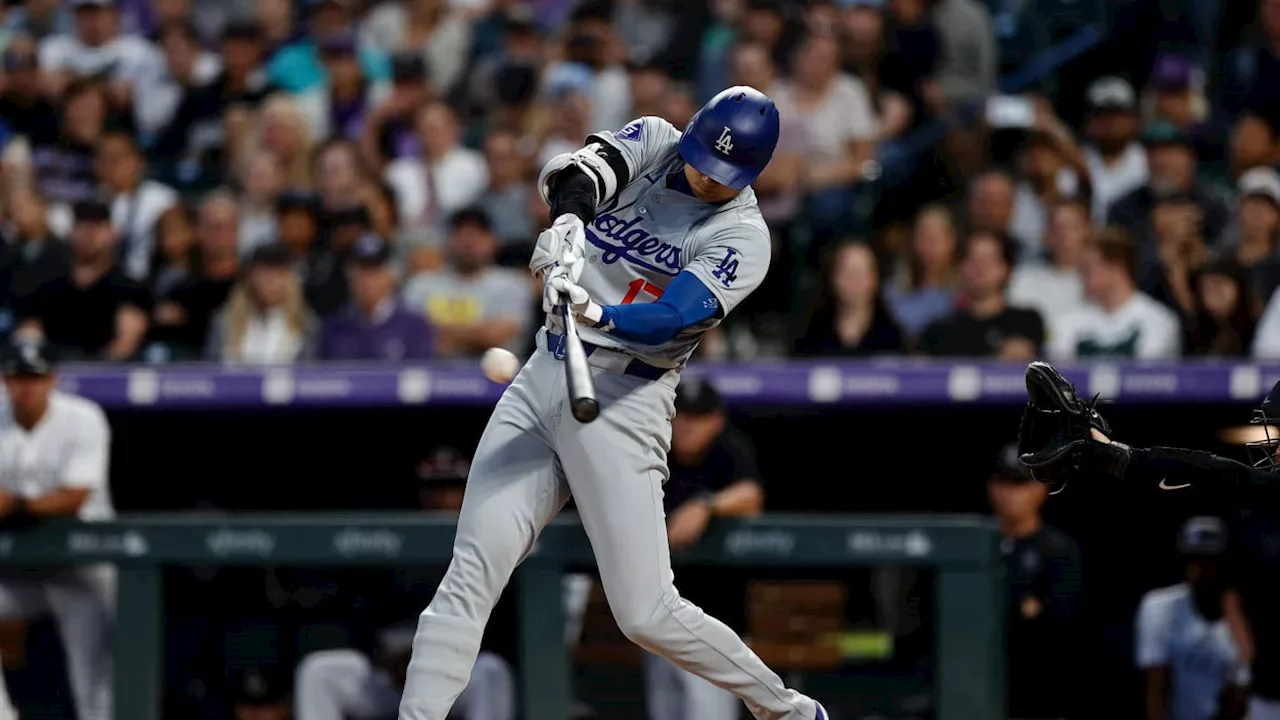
point(620, 240)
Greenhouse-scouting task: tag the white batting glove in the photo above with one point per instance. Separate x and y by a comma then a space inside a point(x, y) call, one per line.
point(568, 268)
point(556, 243)
point(585, 310)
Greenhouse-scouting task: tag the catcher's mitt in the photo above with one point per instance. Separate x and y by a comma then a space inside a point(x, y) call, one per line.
point(1055, 441)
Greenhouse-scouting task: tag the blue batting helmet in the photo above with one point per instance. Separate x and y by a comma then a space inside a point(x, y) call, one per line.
point(732, 137)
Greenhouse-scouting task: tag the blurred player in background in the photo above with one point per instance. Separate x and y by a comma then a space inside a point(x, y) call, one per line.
point(54, 450)
point(1192, 666)
point(347, 684)
point(1042, 565)
point(713, 474)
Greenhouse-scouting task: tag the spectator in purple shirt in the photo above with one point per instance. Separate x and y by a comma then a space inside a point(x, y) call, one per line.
point(374, 326)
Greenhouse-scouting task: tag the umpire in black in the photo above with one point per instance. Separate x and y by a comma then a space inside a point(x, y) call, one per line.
point(1042, 565)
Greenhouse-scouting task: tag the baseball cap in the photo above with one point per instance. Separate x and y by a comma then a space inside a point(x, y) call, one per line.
point(1111, 93)
point(470, 216)
point(444, 465)
point(1203, 535)
point(519, 19)
point(273, 255)
point(28, 357)
point(1160, 133)
point(342, 42)
point(1005, 466)
point(246, 30)
point(1172, 196)
point(1171, 72)
point(1260, 181)
point(567, 77)
point(697, 397)
point(371, 250)
point(408, 67)
point(353, 214)
point(296, 200)
point(91, 210)
point(343, 5)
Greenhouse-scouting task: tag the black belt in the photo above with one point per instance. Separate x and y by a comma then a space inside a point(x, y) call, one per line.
point(635, 368)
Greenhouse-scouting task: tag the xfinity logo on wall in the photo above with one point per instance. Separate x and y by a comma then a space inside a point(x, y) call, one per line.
point(760, 542)
point(870, 542)
point(257, 543)
point(383, 543)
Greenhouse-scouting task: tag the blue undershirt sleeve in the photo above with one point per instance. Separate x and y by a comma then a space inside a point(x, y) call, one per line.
point(686, 302)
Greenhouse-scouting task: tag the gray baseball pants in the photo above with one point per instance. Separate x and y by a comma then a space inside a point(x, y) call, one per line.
point(82, 601)
point(532, 456)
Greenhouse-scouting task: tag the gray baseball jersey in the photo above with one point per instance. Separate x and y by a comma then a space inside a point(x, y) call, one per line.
point(644, 237)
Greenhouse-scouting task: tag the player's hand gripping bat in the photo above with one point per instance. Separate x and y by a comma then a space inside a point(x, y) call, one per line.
point(577, 374)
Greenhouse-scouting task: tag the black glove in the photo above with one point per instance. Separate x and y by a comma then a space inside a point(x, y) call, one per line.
point(1055, 441)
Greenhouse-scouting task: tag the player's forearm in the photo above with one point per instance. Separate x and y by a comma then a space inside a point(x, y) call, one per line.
point(478, 338)
point(63, 502)
point(686, 302)
point(1172, 467)
point(131, 330)
point(744, 498)
point(573, 193)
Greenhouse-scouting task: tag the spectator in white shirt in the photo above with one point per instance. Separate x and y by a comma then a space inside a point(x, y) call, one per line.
point(97, 48)
point(1119, 320)
point(1193, 668)
point(1266, 342)
point(266, 320)
point(839, 128)
point(54, 449)
point(446, 178)
point(136, 203)
point(1116, 161)
point(186, 66)
point(440, 33)
point(261, 185)
point(1055, 288)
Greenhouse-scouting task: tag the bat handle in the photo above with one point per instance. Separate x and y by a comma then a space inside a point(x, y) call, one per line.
point(582, 393)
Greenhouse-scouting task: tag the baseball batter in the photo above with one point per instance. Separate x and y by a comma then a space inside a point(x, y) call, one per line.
point(657, 236)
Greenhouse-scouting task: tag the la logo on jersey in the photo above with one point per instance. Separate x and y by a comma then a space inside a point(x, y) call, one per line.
point(727, 271)
point(631, 132)
point(725, 143)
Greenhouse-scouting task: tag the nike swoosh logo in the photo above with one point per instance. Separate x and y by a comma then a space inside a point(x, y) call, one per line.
point(1164, 485)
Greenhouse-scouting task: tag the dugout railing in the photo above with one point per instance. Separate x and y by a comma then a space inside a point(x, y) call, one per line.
point(963, 551)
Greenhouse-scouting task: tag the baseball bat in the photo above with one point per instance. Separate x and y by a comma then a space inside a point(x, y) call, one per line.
point(577, 374)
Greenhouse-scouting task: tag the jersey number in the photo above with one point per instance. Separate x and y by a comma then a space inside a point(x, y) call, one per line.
point(634, 288)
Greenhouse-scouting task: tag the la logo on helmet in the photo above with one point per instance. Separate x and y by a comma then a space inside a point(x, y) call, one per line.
point(725, 143)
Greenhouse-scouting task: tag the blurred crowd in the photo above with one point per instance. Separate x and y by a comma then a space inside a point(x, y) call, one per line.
point(278, 181)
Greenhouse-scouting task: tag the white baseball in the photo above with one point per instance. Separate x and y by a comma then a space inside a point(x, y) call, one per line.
point(499, 365)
